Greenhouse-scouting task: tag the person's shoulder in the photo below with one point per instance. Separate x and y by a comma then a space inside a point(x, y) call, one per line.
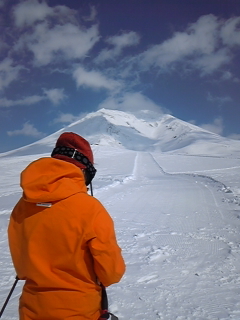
point(96, 202)
point(86, 198)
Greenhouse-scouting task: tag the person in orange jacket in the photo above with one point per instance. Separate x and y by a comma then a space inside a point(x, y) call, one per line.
point(61, 239)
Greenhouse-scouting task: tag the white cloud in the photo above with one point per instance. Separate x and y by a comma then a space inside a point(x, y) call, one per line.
point(105, 55)
point(215, 127)
point(8, 72)
point(27, 130)
point(61, 41)
point(2, 2)
point(227, 75)
point(126, 39)
point(218, 100)
point(94, 79)
point(30, 11)
point(55, 95)
point(118, 42)
point(53, 33)
point(234, 136)
point(92, 16)
point(67, 118)
point(230, 32)
point(209, 63)
point(199, 39)
point(192, 121)
point(133, 102)
point(205, 45)
point(25, 101)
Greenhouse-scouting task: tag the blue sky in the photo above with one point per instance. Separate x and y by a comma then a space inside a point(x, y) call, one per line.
point(62, 59)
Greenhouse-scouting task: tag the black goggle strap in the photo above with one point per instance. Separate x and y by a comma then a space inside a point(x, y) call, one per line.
point(74, 154)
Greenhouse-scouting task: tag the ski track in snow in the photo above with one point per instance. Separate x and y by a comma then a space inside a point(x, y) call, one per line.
point(179, 234)
point(173, 242)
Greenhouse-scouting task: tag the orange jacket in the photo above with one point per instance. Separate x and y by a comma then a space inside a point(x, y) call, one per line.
point(62, 242)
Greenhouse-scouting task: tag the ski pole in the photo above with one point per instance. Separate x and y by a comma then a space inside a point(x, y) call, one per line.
point(9, 296)
point(104, 303)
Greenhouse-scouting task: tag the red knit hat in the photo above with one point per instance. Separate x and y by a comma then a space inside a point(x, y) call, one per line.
point(73, 141)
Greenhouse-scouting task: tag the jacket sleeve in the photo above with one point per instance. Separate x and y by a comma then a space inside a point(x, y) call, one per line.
point(109, 265)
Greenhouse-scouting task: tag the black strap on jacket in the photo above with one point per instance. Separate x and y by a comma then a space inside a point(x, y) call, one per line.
point(78, 156)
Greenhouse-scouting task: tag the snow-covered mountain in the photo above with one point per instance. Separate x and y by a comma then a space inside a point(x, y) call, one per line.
point(145, 132)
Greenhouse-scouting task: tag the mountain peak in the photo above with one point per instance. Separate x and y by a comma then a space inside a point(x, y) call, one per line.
point(141, 131)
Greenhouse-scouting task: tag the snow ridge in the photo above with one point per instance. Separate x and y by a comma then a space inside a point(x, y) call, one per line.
point(145, 131)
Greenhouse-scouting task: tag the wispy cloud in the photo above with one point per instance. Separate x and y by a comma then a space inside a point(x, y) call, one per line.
point(230, 32)
point(92, 15)
point(207, 64)
point(65, 118)
point(2, 2)
point(94, 79)
point(51, 42)
point(68, 118)
point(200, 38)
point(8, 72)
point(27, 130)
point(216, 126)
point(47, 43)
point(219, 100)
point(234, 136)
point(24, 101)
point(28, 12)
point(119, 42)
point(55, 95)
point(132, 101)
point(227, 75)
point(205, 45)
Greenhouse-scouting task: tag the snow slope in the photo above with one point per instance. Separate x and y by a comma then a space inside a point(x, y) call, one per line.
point(177, 218)
point(147, 131)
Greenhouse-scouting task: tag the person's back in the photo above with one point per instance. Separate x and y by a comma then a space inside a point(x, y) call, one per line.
point(62, 243)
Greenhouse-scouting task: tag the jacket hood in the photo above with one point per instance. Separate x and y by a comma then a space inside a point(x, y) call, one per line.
point(49, 180)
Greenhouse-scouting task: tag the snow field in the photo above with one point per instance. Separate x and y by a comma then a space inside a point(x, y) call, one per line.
point(177, 220)
point(180, 240)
